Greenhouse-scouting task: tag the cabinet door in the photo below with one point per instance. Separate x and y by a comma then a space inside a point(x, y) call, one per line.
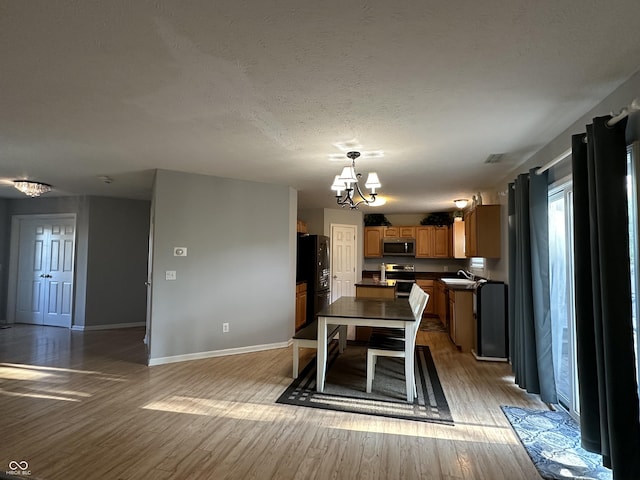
point(301, 306)
point(441, 242)
point(373, 242)
point(470, 234)
point(407, 232)
point(452, 318)
point(442, 305)
point(427, 286)
point(487, 231)
point(391, 232)
point(424, 242)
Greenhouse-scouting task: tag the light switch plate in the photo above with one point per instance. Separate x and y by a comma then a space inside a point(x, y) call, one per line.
point(179, 251)
point(170, 275)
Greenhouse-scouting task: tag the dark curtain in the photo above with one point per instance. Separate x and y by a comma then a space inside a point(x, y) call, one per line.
point(529, 313)
point(609, 418)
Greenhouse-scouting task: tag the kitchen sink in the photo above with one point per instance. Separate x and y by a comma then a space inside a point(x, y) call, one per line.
point(459, 281)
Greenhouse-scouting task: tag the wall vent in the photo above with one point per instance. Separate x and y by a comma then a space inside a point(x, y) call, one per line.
point(494, 158)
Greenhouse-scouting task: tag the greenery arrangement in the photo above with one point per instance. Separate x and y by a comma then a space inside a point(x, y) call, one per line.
point(376, 220)
point(437, 218)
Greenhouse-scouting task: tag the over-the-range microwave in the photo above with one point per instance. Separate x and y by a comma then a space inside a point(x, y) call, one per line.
point(394, 247)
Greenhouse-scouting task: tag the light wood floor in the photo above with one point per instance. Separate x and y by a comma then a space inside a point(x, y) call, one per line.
point(85, 406)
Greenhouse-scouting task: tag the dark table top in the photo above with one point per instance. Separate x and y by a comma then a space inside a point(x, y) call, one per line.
point(352, 307)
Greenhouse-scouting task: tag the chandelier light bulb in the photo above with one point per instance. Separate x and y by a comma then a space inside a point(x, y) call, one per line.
point(461, 202)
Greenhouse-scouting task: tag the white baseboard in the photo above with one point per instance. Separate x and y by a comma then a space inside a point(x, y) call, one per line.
point(110, 326)
point(217, 353)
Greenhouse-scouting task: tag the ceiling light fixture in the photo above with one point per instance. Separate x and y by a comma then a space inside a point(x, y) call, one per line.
point(32, 189)
point(348, 181)
point(461, 202)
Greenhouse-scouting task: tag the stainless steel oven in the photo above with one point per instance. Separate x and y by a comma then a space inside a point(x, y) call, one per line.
point(403, 274)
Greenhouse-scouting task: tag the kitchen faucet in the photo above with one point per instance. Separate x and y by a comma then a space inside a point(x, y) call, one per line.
point(467, 275)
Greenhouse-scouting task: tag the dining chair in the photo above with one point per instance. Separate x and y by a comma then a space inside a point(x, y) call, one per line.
point(388, 346)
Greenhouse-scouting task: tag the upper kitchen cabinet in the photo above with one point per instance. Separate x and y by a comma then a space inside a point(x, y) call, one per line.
point(373, 241)
point(433, 241)
point(482, 231)
point(400, 232)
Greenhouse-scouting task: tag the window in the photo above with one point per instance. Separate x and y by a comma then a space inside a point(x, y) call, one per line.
point(633, 169)
point(560, 211)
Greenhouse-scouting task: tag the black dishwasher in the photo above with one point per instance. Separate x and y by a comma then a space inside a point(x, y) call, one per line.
point(491, 322)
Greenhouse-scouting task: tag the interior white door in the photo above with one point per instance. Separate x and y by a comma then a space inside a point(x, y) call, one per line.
point(45, 271)
point(343, 261)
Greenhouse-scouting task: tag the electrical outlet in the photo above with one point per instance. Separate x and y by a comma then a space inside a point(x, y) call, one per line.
point(170, 275)
point(446, 268)
point(225, 328)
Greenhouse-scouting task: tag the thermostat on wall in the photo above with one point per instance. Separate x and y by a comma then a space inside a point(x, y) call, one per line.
point(179, 251)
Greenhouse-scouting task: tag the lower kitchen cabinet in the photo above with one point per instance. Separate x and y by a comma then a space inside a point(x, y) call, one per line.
point(441, 302)
point(301, 305)
point(461, 322)
point(427, 286)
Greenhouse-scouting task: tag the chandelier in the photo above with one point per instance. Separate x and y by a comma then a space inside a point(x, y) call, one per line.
point(32, 189)
point(348, 181)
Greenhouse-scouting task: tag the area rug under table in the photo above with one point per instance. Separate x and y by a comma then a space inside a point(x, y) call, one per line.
point(552, 440)
point(346, 381)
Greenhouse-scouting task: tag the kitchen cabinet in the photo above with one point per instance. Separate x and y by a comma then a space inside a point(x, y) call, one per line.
point(458, 239)
point(427, 286)
point(461, 323)
point(433, 241)
point(442, 302)
point(376, 289)
point(373, 242)
point(400, 232)
point(482, 231)
point(301, 305)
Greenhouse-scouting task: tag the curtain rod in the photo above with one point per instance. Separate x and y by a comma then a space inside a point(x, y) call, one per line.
point(634, 106)
point(556, 160)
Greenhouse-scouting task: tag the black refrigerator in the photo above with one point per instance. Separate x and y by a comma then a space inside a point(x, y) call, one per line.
point(313, 268)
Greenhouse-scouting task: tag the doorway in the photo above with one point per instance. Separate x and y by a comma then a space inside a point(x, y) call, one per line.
point(42, 269)
point(343, 261)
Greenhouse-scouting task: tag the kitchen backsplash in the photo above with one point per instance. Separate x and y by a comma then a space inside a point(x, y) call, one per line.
point(421, 264)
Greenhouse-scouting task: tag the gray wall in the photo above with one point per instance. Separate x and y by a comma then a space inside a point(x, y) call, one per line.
point(4, 257)
point(117, 261)
point(109, 217)
point(240, 266)
point(621, 97)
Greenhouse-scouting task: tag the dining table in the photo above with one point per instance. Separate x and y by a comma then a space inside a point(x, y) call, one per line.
point(394, 313)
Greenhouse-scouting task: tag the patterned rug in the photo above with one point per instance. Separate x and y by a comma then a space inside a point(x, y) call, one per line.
point(552, 440)
point(345, 387)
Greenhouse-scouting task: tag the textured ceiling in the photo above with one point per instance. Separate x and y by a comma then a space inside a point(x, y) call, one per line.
point(263, 90)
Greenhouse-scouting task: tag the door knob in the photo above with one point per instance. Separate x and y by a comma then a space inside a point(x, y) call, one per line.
point(335, 276)
point(148, 284)
point(42, 275)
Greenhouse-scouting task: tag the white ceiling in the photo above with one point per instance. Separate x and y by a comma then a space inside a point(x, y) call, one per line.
point(262, 90)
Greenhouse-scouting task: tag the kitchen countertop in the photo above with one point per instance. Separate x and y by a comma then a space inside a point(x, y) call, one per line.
point(367, 274)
